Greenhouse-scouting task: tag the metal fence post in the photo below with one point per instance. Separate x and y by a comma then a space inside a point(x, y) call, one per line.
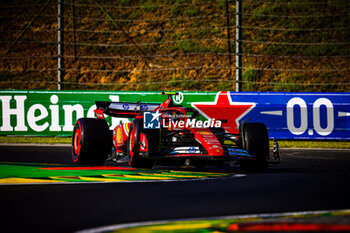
point(239, 51)
point(60, 46)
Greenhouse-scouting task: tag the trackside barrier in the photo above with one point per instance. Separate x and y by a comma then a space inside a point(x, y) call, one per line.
point(309, 116)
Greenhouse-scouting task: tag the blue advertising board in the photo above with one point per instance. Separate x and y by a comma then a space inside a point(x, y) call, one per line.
point(309, 116)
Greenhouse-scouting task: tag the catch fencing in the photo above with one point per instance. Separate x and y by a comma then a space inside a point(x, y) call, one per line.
point(178, 45)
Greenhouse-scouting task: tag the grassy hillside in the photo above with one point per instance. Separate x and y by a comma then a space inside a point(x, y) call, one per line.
point(297, 45)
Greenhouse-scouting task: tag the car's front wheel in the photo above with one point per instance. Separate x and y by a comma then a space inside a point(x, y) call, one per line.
point(256, 141)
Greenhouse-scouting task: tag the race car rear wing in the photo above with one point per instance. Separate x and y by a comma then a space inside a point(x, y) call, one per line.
point(123, 109)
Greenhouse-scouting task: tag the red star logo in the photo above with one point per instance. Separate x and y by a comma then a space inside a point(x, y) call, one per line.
point(230, 113)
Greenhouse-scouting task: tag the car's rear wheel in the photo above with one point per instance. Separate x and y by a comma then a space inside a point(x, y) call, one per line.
point(256, 141)
point(139, 143)
point(91, 141)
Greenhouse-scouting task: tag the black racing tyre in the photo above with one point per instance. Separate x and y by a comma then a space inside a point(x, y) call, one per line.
point(256, 141)
point(133, 146)
point(91, 141)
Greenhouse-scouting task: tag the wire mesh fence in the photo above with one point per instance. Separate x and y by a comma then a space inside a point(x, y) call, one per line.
point(175, 44)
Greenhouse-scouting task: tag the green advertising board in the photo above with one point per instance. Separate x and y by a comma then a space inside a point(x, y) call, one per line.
point(53, 113)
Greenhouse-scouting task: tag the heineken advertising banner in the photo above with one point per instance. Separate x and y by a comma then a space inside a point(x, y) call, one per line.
point(315, 116)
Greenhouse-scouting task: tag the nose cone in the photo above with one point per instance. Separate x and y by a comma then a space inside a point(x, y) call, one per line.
point(209, 141)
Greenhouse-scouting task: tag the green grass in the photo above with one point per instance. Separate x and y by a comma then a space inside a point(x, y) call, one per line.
point(313, 144)
point(191, 11)
point(40, 140)
point(250, 75)
point(282, 144)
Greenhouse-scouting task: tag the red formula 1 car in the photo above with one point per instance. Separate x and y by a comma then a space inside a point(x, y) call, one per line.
point(167, 134)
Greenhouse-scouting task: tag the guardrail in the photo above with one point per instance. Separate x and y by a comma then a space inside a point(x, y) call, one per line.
point(306, 116)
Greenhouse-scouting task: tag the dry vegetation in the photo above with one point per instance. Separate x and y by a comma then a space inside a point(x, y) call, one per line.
point(183, 44)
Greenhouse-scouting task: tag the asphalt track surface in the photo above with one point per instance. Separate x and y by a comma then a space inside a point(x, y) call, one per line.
point(305, 180)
